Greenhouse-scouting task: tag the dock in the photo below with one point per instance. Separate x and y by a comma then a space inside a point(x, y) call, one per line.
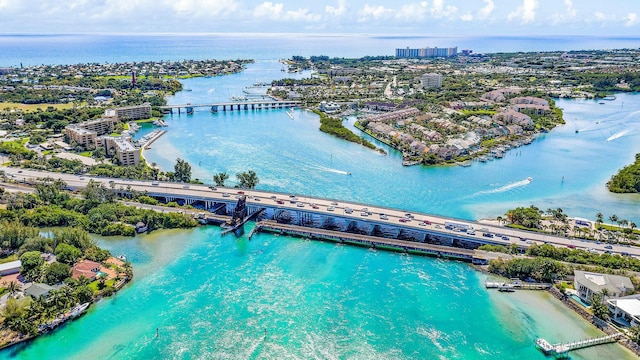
point(561, 350)
point(234, 106)
point(517, 285)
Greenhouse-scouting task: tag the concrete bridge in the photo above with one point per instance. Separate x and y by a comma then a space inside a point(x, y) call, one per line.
point(233, 106)
point(325, 214)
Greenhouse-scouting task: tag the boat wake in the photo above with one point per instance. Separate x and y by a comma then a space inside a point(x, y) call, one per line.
point(507, 187)
point(618, 135)
point(327, 169)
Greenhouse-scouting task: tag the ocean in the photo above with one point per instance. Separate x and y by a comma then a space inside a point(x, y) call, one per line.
point(278, 297)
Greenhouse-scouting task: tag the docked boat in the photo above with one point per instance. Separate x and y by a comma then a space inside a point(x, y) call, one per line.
point(506, 288)
point(79, 310)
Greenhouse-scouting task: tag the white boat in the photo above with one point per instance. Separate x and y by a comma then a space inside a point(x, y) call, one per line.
point(79, 310)
point(529, 179)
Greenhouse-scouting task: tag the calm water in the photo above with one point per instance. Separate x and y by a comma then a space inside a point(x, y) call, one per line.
point(213, 297)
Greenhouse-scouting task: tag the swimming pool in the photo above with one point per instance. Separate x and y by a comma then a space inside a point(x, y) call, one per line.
point(577, 299)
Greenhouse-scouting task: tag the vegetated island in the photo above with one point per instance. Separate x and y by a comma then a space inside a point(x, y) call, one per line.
point(448, 110)
point(333, 126)
point(54, 269)
point(627, 180)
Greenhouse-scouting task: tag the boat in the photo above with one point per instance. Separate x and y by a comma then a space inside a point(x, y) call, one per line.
point(482, 159)
point(529, 179)
point(79, 310)
point(506, 288)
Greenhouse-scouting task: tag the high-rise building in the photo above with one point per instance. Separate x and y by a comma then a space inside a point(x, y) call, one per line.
point(427, 52)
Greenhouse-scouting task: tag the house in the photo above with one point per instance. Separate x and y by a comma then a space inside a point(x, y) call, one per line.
point(590, 283)
point(9, 268)
point(625, 310)
point(37, 289)
point(86, 268)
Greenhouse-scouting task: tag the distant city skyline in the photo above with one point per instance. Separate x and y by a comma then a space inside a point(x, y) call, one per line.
point(398, 17)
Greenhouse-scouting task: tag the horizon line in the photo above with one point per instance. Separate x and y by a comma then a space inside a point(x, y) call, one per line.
point(293, 34)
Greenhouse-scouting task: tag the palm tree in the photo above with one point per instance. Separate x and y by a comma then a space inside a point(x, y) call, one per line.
point(220, 178)
point(599, 219)
point(12, 288)
point(613, 218)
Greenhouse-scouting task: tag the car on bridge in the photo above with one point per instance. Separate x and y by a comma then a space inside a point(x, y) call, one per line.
point(226, 195)
point(331, 208)
point(281, 202)
point(384, 217)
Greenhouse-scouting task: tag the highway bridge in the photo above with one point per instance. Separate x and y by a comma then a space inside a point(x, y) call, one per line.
point(233, 106)
point(327, 214)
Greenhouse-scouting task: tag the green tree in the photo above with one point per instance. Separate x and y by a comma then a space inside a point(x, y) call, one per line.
point(247, 180)
point(31, 263)
point(598, 307)
point(220, 178)
point(182, 171)
point(56, 273)
point(599, 219)
point(67, 254)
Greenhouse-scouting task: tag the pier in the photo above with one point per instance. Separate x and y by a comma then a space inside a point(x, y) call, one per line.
point(363, 240)
point(562, 350)
point(233, 106)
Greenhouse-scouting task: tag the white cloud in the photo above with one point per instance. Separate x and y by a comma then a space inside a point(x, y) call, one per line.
point(375, 12)
point(268, 10)
point(631, 19)
point(337, 11)
point(413, 11)
point(526, 12)
point(567, 16)
point(301, 15)
point(466, 17)
point(192, 7)
point(487, 9)
point(439, 10)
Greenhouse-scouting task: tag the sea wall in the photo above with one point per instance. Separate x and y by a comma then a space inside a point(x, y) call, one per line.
point(602, 325)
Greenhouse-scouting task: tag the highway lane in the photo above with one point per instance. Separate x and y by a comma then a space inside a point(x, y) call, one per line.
point(371, 213)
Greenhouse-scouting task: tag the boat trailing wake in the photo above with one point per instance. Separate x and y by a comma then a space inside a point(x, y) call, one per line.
point(507, 187)
point(327, 169)
point(618, 135)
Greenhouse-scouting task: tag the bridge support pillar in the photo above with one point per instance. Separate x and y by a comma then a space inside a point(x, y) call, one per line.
point(214, 109)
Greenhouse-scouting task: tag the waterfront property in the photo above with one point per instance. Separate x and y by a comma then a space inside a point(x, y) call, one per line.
point(625, 310)
point(590, 283)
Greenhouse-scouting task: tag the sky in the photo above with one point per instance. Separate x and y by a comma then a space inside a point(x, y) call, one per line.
point(392, 17)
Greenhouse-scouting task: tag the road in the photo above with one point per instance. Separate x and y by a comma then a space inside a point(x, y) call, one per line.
point(371, 213)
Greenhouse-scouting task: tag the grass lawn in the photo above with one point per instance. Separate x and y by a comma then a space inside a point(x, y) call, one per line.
point(34, 107)
point(86, 153)
point(142, 121)
point(94, 285)
point(10, 258)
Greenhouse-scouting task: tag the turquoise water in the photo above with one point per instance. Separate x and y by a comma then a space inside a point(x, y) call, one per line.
point(214, 297)
point(569, 169)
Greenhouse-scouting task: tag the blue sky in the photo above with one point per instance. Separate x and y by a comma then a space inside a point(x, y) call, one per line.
point(401, 17)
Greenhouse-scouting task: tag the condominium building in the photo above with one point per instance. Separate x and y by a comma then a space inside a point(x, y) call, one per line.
point(131, 112)
point(80, 136)
point(431, 80)
point(124, 150)
point(427, 52)
point(86, 133)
